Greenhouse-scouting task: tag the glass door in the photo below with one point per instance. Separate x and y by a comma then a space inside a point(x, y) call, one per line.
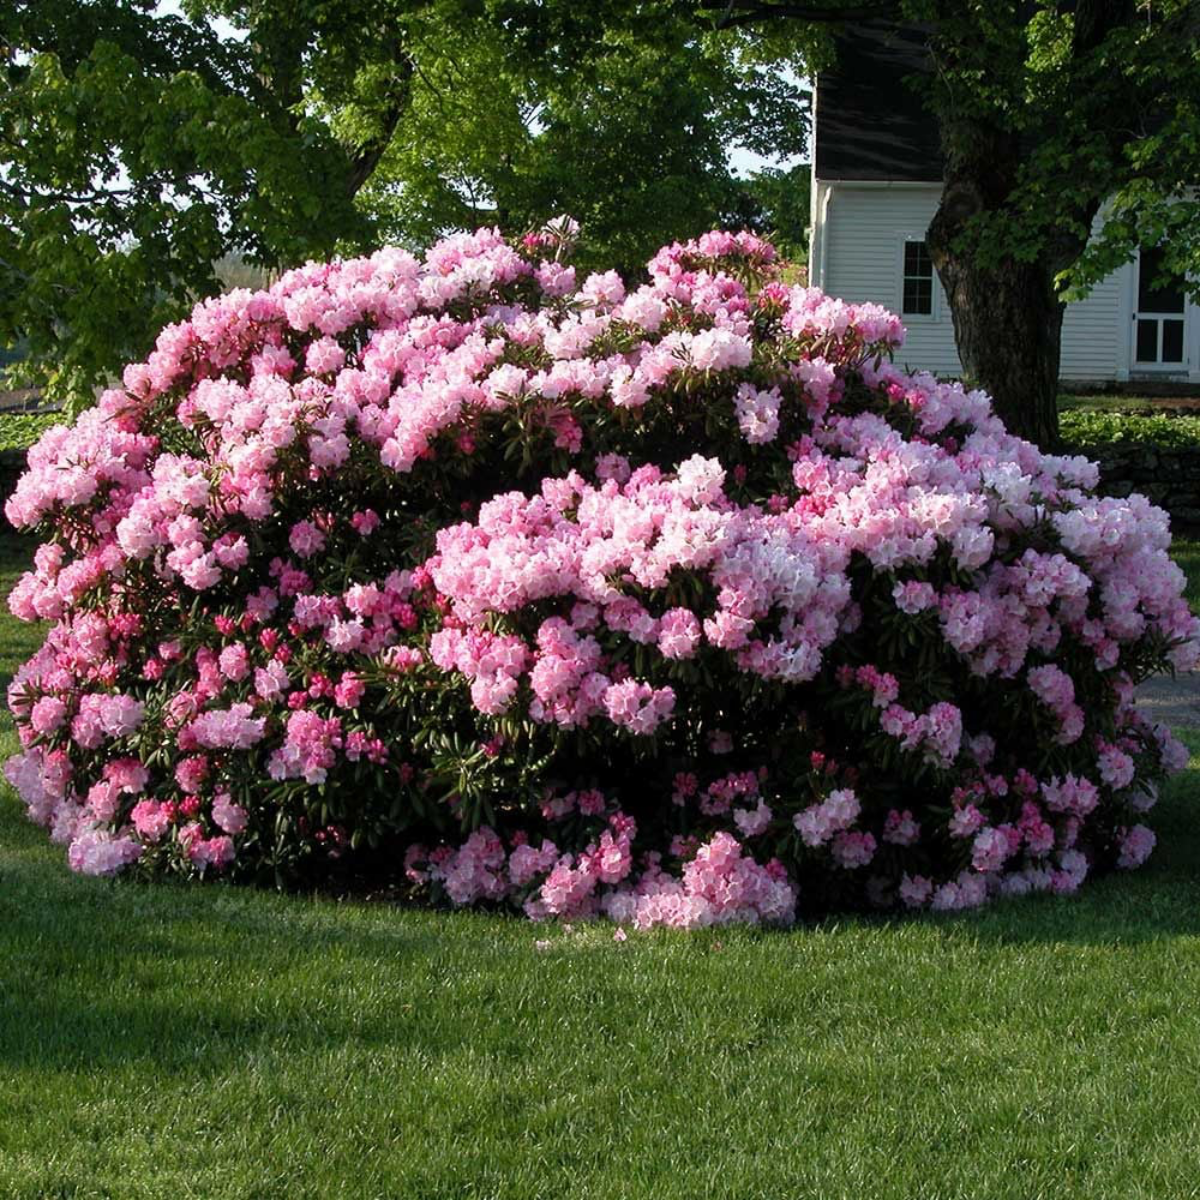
point(1161, 316)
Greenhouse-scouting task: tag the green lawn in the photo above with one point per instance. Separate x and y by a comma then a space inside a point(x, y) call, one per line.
point(210, 1041)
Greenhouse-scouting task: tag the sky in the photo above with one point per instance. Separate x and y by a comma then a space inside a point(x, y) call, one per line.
point(746, 162)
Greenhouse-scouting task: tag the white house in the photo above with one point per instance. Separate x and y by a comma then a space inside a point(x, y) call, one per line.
point(876, 181)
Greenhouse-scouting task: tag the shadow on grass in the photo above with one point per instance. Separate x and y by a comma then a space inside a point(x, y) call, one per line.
point(193, 978)
point(99, 973)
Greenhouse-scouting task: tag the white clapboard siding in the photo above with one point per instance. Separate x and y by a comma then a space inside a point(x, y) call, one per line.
point(1094, 329)
point(865, 227)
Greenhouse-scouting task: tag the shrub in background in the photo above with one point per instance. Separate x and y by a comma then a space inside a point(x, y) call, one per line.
point(19, 431)
point(1099, 431)
point(679, 604)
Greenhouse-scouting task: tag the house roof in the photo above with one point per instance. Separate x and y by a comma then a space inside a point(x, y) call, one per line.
point(871, 124)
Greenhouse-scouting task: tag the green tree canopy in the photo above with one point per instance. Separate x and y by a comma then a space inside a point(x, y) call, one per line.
point(622, 120)
point(138, 147)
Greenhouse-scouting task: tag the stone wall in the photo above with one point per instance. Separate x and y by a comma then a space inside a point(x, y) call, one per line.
point(1170, 478)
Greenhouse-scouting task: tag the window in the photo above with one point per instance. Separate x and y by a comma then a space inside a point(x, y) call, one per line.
point(1153, 295)
point(1161, 311)
point(917, 297)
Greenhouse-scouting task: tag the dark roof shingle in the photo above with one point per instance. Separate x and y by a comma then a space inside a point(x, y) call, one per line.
point(870, 123)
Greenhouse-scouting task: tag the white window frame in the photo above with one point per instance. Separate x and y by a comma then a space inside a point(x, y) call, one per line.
point(935, 308)
point(1157, 366)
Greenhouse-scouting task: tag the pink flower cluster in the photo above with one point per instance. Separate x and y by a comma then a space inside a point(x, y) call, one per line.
point(676, 603)
point(576, 541)
point(719, 883)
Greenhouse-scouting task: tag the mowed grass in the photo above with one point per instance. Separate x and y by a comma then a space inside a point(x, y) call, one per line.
point(212, 1041)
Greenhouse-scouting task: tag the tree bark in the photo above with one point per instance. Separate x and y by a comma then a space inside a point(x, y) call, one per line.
point(1006, 312)
point(1008, 328)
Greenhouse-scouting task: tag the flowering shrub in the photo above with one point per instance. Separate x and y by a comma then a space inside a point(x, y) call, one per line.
point(676, 603)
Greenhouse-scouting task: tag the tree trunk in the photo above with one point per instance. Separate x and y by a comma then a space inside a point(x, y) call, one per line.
point(1007, 316)
point(1008, 328)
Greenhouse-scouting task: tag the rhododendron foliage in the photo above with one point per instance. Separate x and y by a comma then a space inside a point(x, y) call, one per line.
point(673, 601)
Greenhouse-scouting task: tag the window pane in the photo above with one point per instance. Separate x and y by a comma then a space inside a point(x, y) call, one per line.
point(1172, 338)
point(917, 260)
point(1152, 298)
point(918, 297)
point(1147, 341)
